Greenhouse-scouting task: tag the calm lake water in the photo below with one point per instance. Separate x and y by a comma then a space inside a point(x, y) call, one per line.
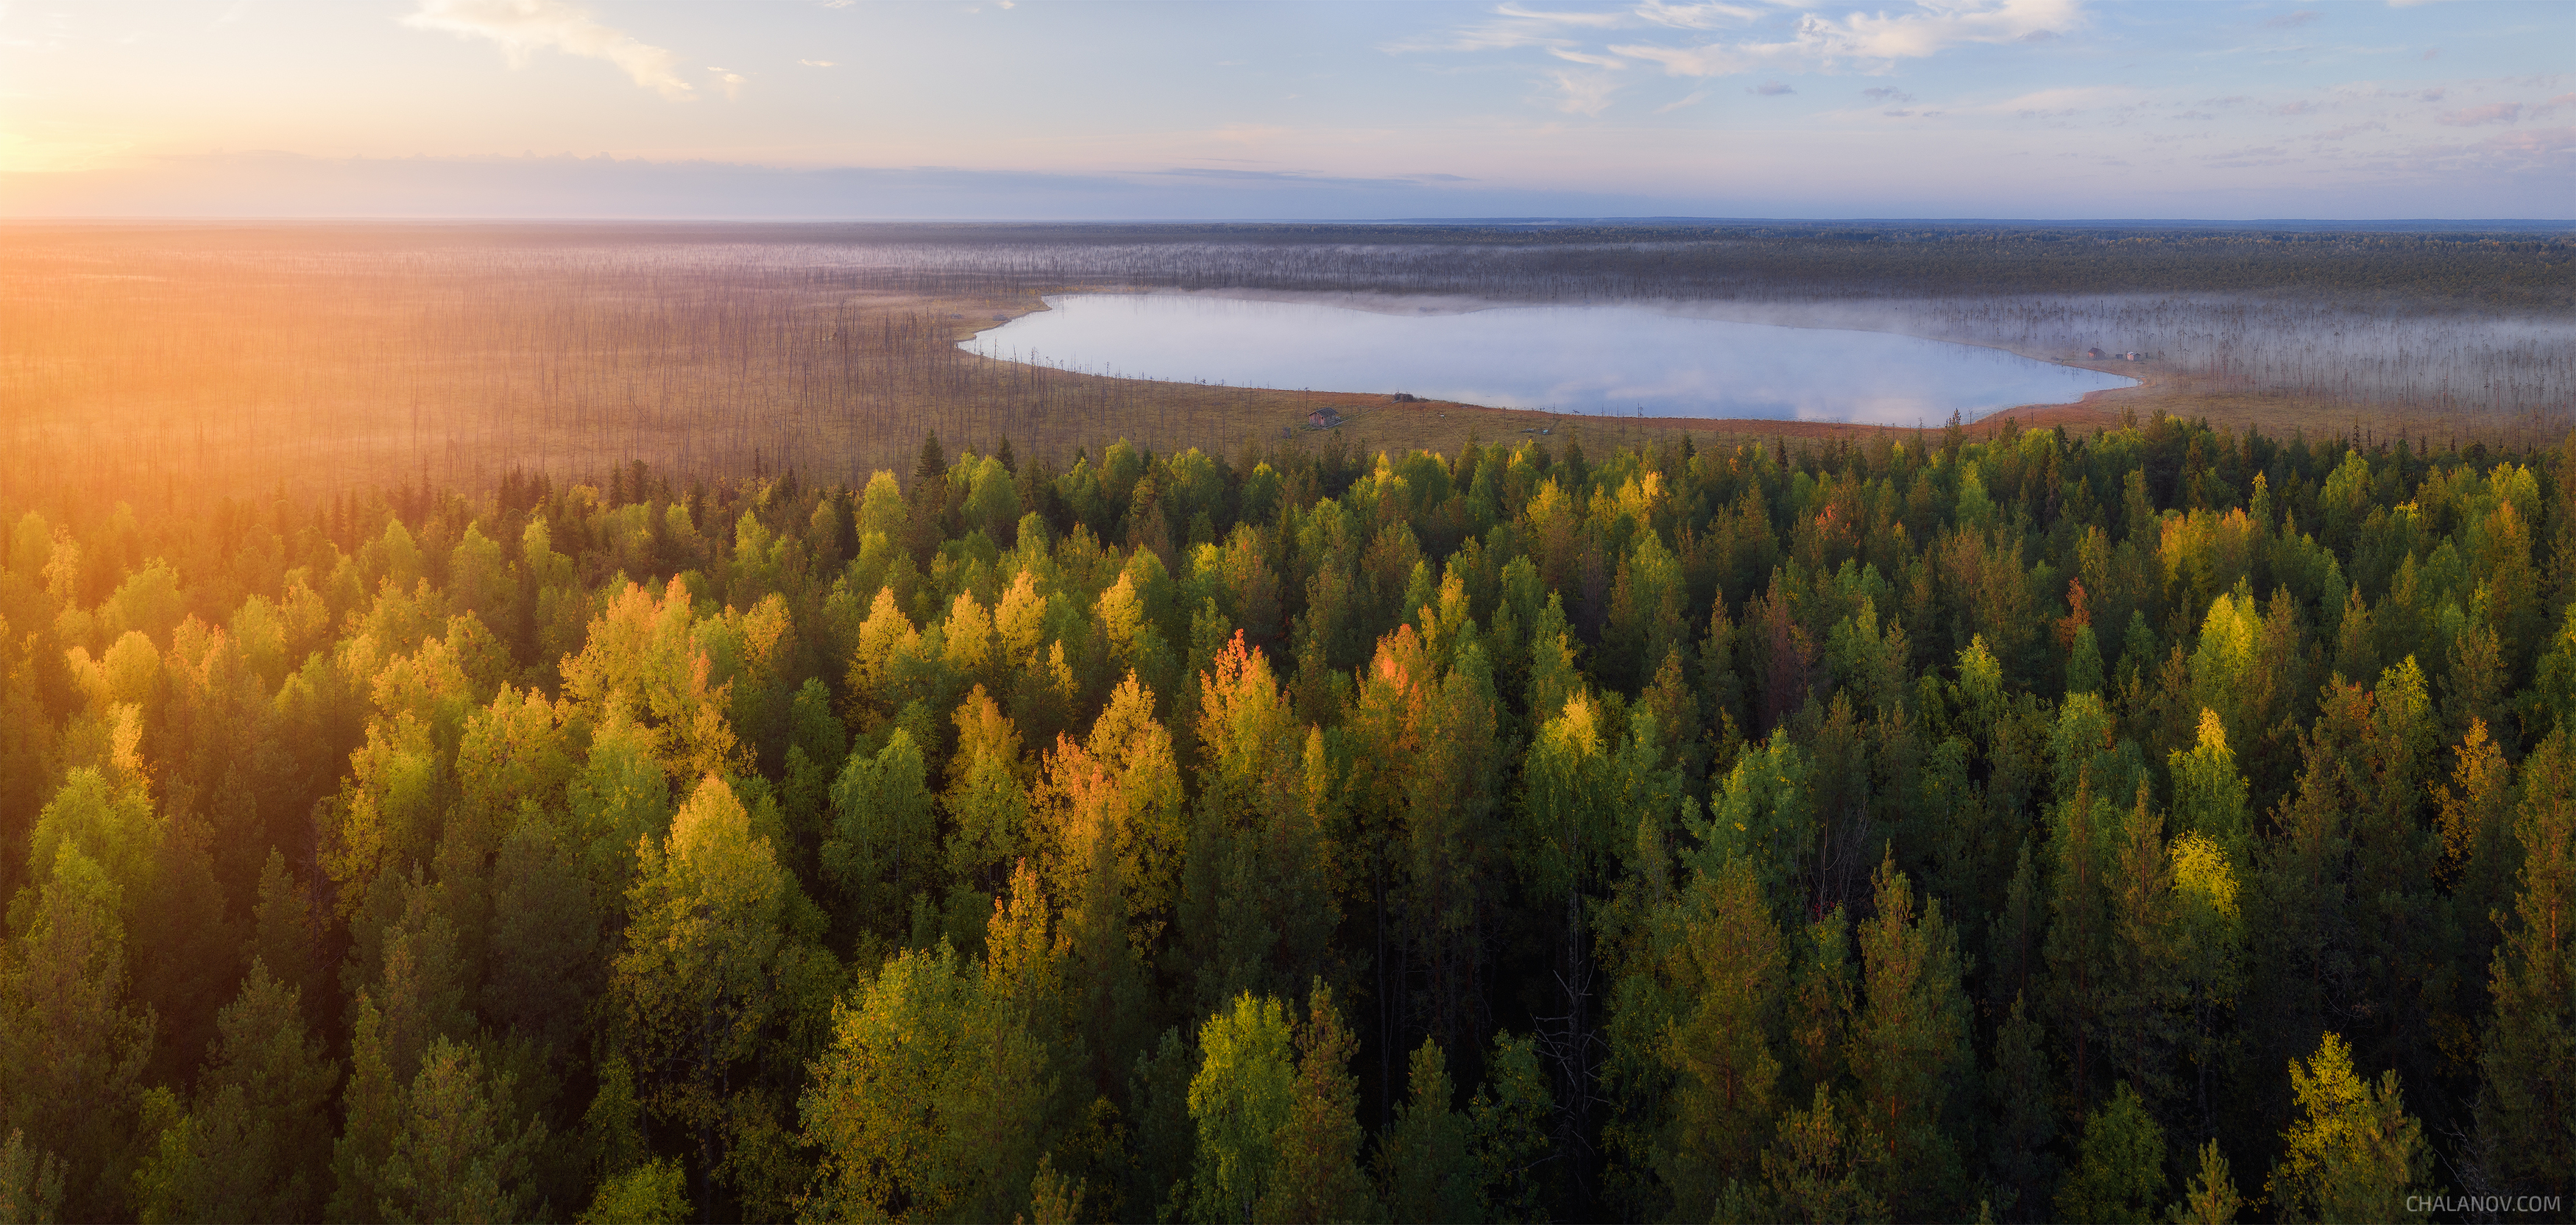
point(1597, 360)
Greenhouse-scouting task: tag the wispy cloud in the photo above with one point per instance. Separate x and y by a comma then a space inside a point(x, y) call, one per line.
point(1251, 133)
point(818, 63)
point(1698, 16)
point(1933, 29)
point(2557, 144)
point(2287, 20)
point(2493, 112)
point(2058, 103)
point(1225, 175)
point(1586, 57)
point(1868, 38)
point(1769, 89)
point(2240, 159)
point(1583, 93)
point(1766, 36)
point(1543, 17)
point(1714, 60)
point(522, 27)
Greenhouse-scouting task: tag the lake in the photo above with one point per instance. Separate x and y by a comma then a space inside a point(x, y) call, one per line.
point(1597, 360)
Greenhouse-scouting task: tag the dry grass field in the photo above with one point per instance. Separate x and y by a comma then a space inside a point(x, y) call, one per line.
point(182, 365)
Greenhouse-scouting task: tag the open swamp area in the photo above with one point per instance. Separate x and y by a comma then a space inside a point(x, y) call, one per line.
point(216, 359)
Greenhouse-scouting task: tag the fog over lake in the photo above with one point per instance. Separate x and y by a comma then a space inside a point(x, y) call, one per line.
point(1598, 360)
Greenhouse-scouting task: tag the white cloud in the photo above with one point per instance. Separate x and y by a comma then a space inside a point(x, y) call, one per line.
point(525, 26)
point(818, 63)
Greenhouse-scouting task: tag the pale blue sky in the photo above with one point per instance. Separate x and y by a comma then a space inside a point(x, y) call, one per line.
point(1306, 108)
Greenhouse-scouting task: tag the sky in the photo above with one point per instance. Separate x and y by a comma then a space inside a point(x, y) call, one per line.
point(1241, 109)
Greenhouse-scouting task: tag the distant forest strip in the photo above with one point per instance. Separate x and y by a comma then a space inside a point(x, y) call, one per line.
point(2170, 823)
point(2514, 270)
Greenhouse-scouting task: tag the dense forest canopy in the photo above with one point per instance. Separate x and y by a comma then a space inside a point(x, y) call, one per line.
point(2050, 827)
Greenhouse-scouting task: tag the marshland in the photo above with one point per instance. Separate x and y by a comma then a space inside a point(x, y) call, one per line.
point(253, 357)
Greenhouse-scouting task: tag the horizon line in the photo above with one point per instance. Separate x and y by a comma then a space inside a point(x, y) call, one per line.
point(458, 219)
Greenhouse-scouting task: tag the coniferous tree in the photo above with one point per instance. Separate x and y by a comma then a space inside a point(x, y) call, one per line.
point(1909, 1049)
point(1424, 1169)
point(251, 1148)
point(72, 1048)
point(2119, 1171)
point(2528, 1056)
point(2210, 1198)
point(1317, 1176)
point(2354, 1152)
point(1508, 1126)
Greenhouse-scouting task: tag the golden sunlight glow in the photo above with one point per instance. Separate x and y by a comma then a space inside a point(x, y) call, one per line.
point(30, 155)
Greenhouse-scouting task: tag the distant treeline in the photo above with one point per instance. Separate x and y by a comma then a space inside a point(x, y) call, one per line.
point(2521, 271)
point(2172, 823)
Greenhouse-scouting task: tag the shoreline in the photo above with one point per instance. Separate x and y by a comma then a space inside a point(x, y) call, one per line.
point(1372, 418)
point(2081, 410)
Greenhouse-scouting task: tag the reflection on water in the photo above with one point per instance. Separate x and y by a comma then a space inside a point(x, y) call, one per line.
point(1597, 360)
